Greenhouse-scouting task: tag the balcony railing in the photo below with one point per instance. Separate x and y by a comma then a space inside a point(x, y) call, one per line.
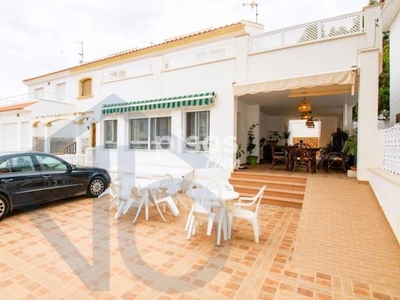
point(126, 71)
point(32, 97)
point(311, 32)
point(199, 55)
point(391, 150)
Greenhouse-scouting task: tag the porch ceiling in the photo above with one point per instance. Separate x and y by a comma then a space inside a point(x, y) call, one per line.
point(325, 100)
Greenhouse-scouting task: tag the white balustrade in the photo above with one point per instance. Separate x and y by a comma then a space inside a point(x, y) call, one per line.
point(130, 70)
point(310, 32)
point(32, 97)
point(199, 55)
point(391, 150)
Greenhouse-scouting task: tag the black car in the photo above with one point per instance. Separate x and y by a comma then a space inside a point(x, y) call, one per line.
point(35, 177)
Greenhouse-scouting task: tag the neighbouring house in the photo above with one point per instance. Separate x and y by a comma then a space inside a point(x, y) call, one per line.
point(186, 103)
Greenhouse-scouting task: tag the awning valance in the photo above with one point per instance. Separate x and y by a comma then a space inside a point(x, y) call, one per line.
point(162, 103)
point(289, 83)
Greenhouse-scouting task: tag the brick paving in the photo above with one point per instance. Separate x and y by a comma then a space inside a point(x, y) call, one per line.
point(339, 246)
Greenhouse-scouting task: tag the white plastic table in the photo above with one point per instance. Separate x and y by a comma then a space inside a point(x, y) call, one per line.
point(224, 196)
point(145, 186)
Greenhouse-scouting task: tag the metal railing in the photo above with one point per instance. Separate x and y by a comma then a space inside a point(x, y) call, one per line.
point(391, 150)
point(70, 149)
point(32, 97)
point(316, 31)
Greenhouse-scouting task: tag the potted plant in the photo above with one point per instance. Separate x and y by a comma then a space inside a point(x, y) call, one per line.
point(286, 135)
point(274, 136)
point(239, 153)
point(351, 144)
point(250, 145)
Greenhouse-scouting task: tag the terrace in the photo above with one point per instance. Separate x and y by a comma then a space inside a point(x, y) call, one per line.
point(338, 246)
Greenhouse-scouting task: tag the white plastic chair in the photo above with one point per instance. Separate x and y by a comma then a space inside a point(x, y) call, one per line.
point(164, 193)
point(126, 196)
point(113, 192)
point(225, 185)
point(169, 187)
point(242, 210)
point(202, 210)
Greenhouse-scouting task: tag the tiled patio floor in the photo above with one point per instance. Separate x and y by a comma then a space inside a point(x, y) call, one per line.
point(338, 247)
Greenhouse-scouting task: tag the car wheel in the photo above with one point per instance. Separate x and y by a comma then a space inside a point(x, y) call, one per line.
point(96, 187)
point(4, 207)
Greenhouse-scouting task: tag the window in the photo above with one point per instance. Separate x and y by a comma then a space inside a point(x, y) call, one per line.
point(110, 134)
point(197, 130)
point(38, 93)
point(4, 167)
point(85, 88)
point(139, 134)
point(60, 92)
point(160, 133)
point(21, 164)
point(152, 133)
point(49, 163)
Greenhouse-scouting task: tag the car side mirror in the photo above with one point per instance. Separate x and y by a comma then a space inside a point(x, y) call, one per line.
point(71, 167)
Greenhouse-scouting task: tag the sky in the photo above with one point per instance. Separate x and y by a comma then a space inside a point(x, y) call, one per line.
point(41, 36)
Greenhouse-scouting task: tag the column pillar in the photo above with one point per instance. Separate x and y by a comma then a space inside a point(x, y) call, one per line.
point(367, 131)
point(78, 138)
point(47, 127)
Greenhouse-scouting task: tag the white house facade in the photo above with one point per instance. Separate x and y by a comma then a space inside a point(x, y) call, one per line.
point(187, 102)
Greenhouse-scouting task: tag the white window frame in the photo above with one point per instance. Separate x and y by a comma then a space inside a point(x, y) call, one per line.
point(61, 93)
point(197, 144)
point(38, 93)
point(111, 144)
point(151, 142)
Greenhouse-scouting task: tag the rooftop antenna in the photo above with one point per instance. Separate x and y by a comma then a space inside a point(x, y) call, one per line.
point(253, 5)
point(81, 53)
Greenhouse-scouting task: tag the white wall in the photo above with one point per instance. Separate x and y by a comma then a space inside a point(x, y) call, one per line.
point(386, 187)
point(312, 58)
point(275, 123)
point(299, 129)
point(395, 69)
point(328, 126)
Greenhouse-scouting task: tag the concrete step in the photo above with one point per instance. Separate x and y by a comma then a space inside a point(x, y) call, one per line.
point(281, 190)
point(278, 201)
point(282, 193)
point(269, 177)
point(284, 185)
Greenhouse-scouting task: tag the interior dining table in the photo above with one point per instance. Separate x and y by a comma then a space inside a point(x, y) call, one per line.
point(289, 155)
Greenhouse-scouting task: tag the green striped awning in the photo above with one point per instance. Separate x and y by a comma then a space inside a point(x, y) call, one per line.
point(163, 103)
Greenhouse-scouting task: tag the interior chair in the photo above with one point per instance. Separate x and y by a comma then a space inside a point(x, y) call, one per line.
point(337, 159)
point(247, 208)
point(302, 157)
point(301, 145)
point(202, 210)
point(277, 157)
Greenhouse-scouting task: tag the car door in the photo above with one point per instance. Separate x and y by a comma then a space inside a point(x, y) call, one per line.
point(59, 179)
point(21, 180)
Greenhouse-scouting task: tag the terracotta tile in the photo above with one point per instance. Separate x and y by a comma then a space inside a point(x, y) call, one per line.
point(331, 249)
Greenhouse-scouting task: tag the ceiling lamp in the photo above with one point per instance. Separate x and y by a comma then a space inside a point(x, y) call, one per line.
point(310, 123)
point(306, 115)
point(304, 106)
